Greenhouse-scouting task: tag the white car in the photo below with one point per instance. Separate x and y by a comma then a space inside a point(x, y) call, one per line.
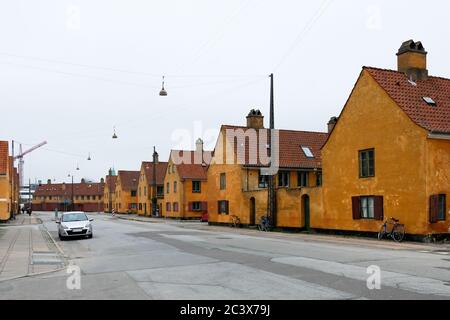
point(74, 224)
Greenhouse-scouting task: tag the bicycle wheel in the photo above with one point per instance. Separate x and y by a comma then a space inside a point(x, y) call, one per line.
point(398, 234)
point(382, 232)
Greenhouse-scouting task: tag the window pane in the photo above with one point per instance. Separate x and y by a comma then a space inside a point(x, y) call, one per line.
point(441, 213)
point(371, 208)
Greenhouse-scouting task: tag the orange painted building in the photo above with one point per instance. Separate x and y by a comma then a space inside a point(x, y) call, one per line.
point(126, 199)
point(146, 190)
point(186, 184)
point(9, 184)
point(85, 196)
point(389, 153)
point(109, 195)
point(238, 185)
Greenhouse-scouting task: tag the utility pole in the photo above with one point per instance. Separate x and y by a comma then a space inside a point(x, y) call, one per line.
point(272, 194)
point(72, 204)
point(29, 193)
point(154, 186)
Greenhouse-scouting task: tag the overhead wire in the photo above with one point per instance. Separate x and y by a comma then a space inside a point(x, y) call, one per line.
point(304, 32)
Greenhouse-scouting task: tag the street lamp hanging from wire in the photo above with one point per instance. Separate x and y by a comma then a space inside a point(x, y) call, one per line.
point(163, 92)
point(114, 135)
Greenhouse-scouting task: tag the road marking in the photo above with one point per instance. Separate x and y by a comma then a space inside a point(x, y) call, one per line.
point(391, 279)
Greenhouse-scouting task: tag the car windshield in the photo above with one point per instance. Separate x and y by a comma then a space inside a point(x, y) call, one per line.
point(72, 217)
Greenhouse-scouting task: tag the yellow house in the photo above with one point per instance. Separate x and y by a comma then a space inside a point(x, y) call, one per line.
point(5, 185)
point(186, 183)
point(146, 190)
point(238, 183)
point(126, 191)
point(389, 152)
point(109, 196)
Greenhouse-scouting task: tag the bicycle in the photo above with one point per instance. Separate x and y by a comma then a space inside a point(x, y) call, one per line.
point(397, 233)
point(235, 222)
point(264, 224)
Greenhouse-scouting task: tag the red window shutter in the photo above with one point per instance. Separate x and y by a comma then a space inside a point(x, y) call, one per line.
point(190, 206)
point(227, 210)
point(434, 208)
point(356, 208)
point(379, 208)
point(205, 207)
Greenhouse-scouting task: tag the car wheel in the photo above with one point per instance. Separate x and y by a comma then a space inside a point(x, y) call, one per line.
point(60, 237)
point(90, 236)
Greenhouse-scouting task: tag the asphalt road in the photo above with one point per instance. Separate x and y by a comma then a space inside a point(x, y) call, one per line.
point(180, 260)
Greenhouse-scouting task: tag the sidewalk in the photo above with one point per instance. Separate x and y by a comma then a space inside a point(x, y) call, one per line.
point(308, 237)
point(26, 249)
point(22, 219)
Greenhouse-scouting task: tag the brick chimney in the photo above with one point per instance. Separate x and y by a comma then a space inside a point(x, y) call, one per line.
point(412, 60)
point(255, 119)
point(49, 181)
point(332, 123)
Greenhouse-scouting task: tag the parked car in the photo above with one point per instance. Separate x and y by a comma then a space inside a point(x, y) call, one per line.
point(74, 224)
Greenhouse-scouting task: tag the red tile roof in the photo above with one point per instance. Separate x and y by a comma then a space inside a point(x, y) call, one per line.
point(190, 164)
point(161, 168)
point(409, 98)
point(129, 180)
point(291, 154)
point(4, 153)
point(65, 189)
point(111, 183)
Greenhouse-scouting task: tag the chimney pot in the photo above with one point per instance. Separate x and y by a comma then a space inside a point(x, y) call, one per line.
point(332, 123)
point(255, 119)
point(412, 60)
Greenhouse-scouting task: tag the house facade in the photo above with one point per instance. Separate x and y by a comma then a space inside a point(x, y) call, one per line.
point(147, 192)
point(389, 153)
point(238, 183)
point(186, 183)
point(126, 200)
point(110, 191)
point(9, 184)
point(5, 190)
point(84, 196)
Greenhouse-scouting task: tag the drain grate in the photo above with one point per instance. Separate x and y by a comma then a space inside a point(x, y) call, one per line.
point(46, 258)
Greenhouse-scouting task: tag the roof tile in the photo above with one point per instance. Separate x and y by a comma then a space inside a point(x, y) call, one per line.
point(409, 98)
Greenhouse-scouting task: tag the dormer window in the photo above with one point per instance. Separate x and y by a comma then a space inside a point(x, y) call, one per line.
point(429, 101)
point(307, 151)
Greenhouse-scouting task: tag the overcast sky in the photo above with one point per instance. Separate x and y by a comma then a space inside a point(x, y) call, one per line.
point(72, 70)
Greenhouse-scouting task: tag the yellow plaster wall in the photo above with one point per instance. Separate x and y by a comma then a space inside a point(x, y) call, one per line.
point(372, 120)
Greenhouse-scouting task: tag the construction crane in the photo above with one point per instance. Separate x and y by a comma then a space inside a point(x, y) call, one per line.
point(20, 158)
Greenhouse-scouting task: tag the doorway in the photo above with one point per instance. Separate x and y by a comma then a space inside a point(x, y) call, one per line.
point(306, 212)
point(252, 211)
